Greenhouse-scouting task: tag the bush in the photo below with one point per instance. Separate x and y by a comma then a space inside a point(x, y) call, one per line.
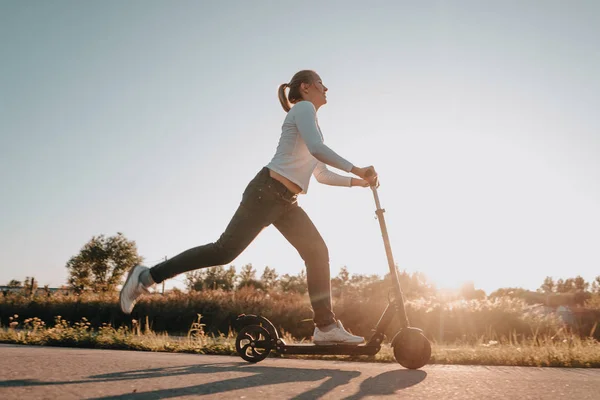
point(501, 318)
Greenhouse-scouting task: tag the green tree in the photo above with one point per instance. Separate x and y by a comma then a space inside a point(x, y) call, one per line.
point(514, 292)
point(247, 273)
point(572, 285)
point(14, 283)
point(211, 278)
point(359, 281)
point(102, 262)
point(344, 275)
point(414, 286)
point(422, 288)
point(468, 292)
point(294, 283)
point(269, 278)
point(247, 277)
point(194, 280)
point(596, 285)
point(548, 286)
point(565, 286)
point(339, 283)
point(580, 284)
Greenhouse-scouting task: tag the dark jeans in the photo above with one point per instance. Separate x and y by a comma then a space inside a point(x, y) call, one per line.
point(265, 201)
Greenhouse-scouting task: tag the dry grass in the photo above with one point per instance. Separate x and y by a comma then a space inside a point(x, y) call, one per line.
point(442, 320)
point(560, 350)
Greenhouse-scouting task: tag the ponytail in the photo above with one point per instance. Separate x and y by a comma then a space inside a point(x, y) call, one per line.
point(283, 98)
point(294, 95)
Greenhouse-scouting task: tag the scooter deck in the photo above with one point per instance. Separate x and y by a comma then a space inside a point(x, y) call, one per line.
point(333, 349)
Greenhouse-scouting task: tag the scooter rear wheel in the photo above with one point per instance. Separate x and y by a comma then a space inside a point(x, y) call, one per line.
point(412, 350)
point(253, 343)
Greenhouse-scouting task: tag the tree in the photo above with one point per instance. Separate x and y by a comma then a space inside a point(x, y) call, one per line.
point(596, 285)
point(340, 282)
point(513, 292)
point(30, 284)
point(468, 292)
point(564, 286)
point(344, 275)
point(269, 278)
point(14, 283)
point(548, 286)
point(211, 278)
point(247, 273)
point(572, 285)
point(414, 286)
point(580, 284)
point(422, 288)
point(102, 262)
point(247, 277)
point(289, 283)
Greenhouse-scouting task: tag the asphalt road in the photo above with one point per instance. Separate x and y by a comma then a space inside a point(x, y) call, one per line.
point(31, 372)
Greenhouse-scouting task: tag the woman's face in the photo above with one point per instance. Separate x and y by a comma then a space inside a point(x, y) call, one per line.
point(315, 92)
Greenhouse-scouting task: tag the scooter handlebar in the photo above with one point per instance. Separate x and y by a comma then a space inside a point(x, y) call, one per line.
point(370, 173)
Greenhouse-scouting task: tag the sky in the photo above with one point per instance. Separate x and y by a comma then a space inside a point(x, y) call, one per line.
point(150, 117)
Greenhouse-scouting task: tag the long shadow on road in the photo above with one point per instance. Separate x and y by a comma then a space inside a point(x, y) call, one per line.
point(385, 383)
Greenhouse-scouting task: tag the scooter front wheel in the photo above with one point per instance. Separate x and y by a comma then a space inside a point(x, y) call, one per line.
point(253, 343)
point(412, 349)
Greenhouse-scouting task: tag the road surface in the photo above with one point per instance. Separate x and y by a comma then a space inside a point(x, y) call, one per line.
point(31, 372)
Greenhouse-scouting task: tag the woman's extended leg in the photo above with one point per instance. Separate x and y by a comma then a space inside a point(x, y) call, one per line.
point(261, 205)
point(239, 233)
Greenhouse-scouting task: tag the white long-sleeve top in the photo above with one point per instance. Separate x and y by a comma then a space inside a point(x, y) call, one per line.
point(301, 151)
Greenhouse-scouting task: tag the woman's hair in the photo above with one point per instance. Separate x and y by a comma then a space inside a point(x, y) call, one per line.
point(294, 96)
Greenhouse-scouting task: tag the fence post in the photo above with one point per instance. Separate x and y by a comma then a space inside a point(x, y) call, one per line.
point(163, 282)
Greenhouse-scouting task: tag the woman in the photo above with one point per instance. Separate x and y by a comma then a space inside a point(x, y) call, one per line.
point(271, 198)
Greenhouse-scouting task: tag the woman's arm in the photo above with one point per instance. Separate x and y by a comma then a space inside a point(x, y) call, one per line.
point(305, 116)
point(306, 121)
point(323, 175)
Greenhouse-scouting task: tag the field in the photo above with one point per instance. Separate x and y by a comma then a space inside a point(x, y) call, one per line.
point(500, 331)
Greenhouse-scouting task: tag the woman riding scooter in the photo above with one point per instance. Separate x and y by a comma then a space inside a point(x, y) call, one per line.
point(271, 197)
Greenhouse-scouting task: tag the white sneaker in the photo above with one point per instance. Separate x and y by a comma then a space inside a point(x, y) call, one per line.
point(132, 289)
point(336, 335)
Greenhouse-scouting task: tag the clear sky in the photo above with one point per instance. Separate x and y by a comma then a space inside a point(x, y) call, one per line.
point(150, 117)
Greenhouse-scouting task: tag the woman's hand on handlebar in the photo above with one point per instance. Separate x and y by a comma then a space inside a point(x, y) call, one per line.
point(359, 182)
point(367, 174)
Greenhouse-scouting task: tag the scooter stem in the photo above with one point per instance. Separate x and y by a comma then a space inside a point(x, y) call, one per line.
point(388, 251)
point(376, 196)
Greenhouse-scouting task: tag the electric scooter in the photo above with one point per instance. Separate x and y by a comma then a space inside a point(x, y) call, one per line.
point(258, 336)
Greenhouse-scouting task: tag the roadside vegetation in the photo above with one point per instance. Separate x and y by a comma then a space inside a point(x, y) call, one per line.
point(556, 325)
point(565, 351)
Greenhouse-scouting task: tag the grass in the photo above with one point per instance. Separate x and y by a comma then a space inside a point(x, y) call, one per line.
point(560, 350)
point(446, 320)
